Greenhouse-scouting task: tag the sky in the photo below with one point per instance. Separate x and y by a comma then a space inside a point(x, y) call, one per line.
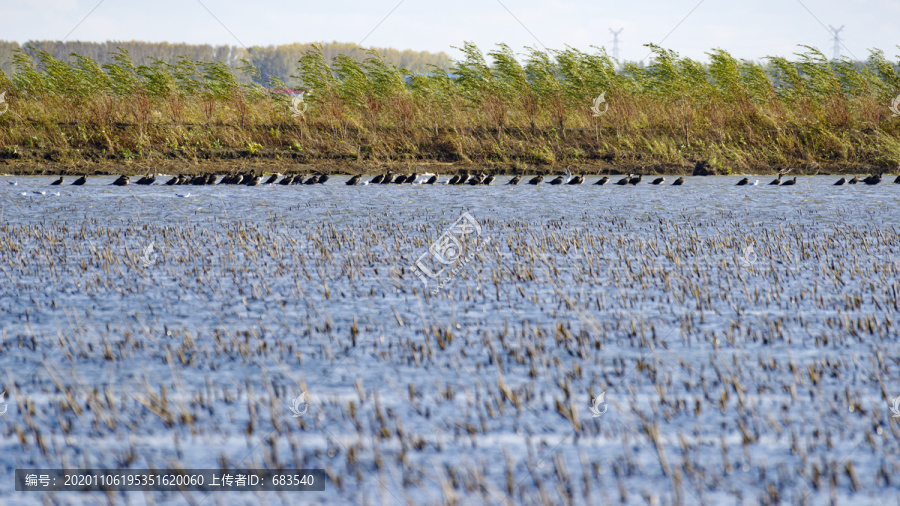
point(747, 29)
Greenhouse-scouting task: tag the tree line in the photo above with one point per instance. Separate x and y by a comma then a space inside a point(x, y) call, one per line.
point(270, 61)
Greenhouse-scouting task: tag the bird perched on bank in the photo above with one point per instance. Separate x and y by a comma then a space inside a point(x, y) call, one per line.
point(897, 181)
point(476, 180)
point(840, 181)
point(80, 181)
point(624, 180)
point(454, 179)
point(146, 180)
point(399, 179)
point(388, 178)
point(312, 180)
point(743, 182)
point(536, 180)
point(576, 180)
point(254, 180)
point(636, 180)
point(377, 179)
point(353, 180)
point(602, 181)
point(558, 180)
point(411, 179)
point(211, 179)
point(433, 179)
point(854, 180)
point(286, 180)
point(122, 181)
point(776, 181)
point(58, 181)
point(678, 182)
point(659, 180)
point(516, 179)
point(488, 180)
point(873, 179)
point(463, 178)
point(273, 178)
point(790, 182)
point(322, 179)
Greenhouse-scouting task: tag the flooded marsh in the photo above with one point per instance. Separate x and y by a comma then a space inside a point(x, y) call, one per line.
point(449, 344)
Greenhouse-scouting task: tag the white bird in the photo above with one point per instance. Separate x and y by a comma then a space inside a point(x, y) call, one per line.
point(755, 182)
point(55, 194)
point(186, 195)
point(24, 193)
point(568, 177)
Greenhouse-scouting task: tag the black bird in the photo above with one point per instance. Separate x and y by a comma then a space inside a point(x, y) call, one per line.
point(488, 180)
point(172, 181)
point(790, 182)
point(873, 179)
point(454, 179)
point(211, 179)
point(659, 180)
point(624, 180)
point(254, 181)
point(199, 180)
point(411, 178)
point(516, 179)
point(840, 182)
point(80, 181)
point(353, 180)
point(743, 182)
point(58, 181)
point(678, 182)
point(577, 180)
point(476, 180)
point(636, 180)
point(558, 180)
point(146, 180)
point(602, 181)
point(313, 180)
point(388, 178)
point(273, 178)
point(536, 180)
point(463, 178)
point(286, 180)
point(238, 179)
point(400, 179)
point(897, 181)
point(377, 179)
point(776, 181)
point(122, 181)
point(854, 180)
point(323, 178)
point(432, 179)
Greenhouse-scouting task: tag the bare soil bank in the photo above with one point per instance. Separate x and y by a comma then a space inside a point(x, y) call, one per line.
point(39, 163)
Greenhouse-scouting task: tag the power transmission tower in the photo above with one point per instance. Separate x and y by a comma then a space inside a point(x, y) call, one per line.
point(837, 41)
point(616, 42)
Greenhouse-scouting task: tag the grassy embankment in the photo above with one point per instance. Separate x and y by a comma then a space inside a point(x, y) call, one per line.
point(810, 114)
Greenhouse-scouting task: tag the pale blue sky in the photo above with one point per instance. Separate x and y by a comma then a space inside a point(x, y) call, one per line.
point(747, 29)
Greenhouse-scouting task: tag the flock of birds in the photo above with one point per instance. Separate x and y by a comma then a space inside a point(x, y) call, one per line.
point(250, 179)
